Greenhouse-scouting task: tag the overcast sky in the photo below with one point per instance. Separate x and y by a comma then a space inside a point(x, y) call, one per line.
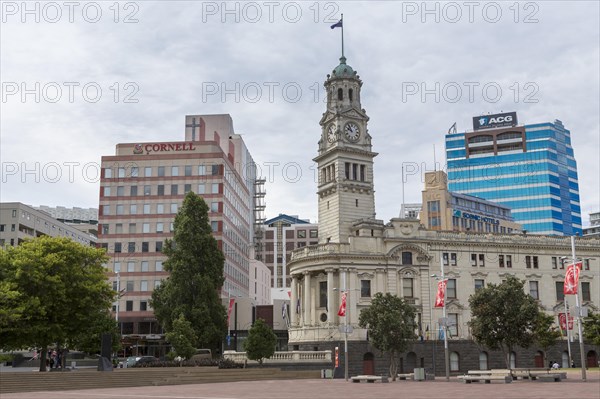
point(105, 74)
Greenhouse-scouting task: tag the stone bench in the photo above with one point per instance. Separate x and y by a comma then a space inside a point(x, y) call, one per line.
point(404, 377)
point(550, 377)
point(367, 378)
point(486, 378)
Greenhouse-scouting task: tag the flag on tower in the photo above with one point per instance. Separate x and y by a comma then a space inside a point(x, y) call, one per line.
point(338, 24)
point(342, 311)
point(572, 279)
point(441, 293)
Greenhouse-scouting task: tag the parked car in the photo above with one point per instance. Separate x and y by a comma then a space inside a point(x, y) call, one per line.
point(136, 360)
point(201, 354)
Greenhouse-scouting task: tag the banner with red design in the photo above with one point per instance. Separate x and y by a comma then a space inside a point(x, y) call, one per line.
point(342, 311)
point(572, 279)
point(441, 293)
point(231, 302)
point(562, 321)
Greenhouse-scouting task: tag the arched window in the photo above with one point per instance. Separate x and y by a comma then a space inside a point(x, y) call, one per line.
point(350, 94)
point(340, 94)
point(454, 366)
point(483, 361)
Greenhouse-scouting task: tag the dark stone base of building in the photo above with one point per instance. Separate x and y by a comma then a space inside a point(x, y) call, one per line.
point(363, 358)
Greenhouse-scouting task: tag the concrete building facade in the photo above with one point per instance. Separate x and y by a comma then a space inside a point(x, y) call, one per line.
point(141, 189)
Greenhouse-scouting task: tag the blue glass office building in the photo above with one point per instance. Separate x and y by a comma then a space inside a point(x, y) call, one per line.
point(529, 168)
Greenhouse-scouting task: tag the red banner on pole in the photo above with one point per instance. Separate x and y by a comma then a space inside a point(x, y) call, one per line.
point(562, 321)
point(231, 302)
point(441, 293)
point(342, 311)
point(572, 279)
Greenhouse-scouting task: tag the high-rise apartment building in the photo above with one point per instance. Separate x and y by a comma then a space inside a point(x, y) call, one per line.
point(142, 187)
point(529, 168)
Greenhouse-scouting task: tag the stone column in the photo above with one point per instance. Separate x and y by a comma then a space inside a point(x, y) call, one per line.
point(306, 305)
point(294, 301)
point(330, 296)
point(353, 294)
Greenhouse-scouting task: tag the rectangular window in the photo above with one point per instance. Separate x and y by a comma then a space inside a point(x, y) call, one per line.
point(586, 294)
point(145, 246)
point(143, 285)
point(474, 260)
point(301, 233)
point(508, 260)
point(161, 171)
point(214, 207)
point(188, 170)
point(144, 265)
point(479, 283)
point(533, 290)
point(433, 206)
point(104, 229)
point(451, 289)
point(156, 283)
point(453, 259)
point(586, 264)
point(214, 225)
point(108, 173)
point(187, 188)
point(160, 189)
point(106, 191)
point(129, 306)
point(117, 267)
point(130, 267)
point(135, 171)
point(365, 288)
point(201, 189)
point(132, 228)
point(407, 287)
point(159, 246)
point(148, 171)
point(445, 258)
point(119, 209)
point(173, 208)
point(554, 262)
point(528, 262)
point(453, 325)
point(313, 234)
point(159, 266)
point(482, 260)
point(131, 247)
point(129, 286)
point(174, 170)
point(535, 262)
point(322, 294)
point(174, 189)
point(146, 209)
point(159, 227)
point(133, 191)
point(501, 260)
point(119, 228)
point(160, 208)
point(202, 170)
point(117, 247)
point(214, 188)
point(560, 293)
point(120, 191)
point(147, 190)
point(215, 169)
point(407, 258)
point(121, 172)
point(146, 228)
point(133, 209)
point(143, 305)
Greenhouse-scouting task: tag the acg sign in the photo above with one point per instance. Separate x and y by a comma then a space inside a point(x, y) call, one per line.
point(496, 120)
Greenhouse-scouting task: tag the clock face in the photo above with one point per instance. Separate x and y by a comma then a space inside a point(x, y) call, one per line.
point(331, 133)
point(352, 131)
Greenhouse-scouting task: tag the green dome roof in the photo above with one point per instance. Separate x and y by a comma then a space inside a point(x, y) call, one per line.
point(343, 70)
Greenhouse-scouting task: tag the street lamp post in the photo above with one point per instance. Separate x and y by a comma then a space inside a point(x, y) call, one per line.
point(444, 320)
point(344, 290)
point(579, 322)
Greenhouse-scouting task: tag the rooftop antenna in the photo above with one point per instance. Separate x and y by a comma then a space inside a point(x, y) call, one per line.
point(403, 213)
point(434, 161)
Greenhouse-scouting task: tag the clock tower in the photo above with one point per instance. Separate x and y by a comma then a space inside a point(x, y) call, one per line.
point(345, 159)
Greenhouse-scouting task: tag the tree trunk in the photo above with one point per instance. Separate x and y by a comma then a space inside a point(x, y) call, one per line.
point(393, 366)
point(43, 355)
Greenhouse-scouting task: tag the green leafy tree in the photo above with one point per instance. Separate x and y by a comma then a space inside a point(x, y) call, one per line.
point(390, 322)
point(261, 342)
point(91, 342)
point(62, 287)
point(182, 338)
point(195, 264)
point(591, 328)
point(503, 316)
point(546, 334)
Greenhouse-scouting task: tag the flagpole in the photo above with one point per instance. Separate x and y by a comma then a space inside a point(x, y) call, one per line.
point(568, 335)
point(445, 327)
point(578, 309)
point(346, 321)
point(342, 19)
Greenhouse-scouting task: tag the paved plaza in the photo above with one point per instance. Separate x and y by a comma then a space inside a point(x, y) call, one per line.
point(572, 388)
